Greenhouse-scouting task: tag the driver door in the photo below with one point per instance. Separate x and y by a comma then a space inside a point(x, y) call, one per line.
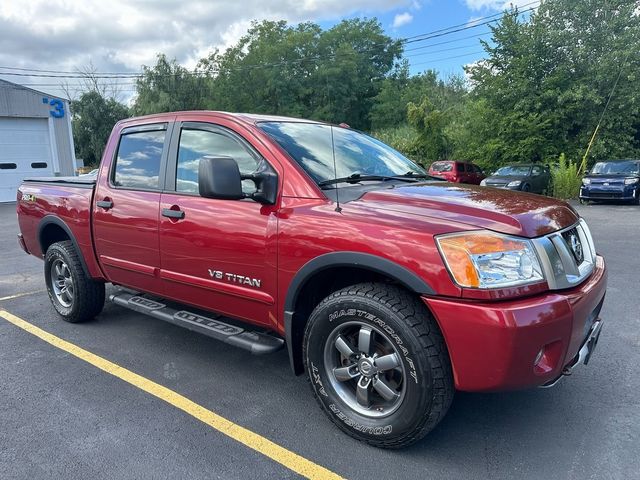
point(219, 255)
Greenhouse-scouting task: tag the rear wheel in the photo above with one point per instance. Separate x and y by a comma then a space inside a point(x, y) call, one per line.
point(74, 295)
point(378, 365)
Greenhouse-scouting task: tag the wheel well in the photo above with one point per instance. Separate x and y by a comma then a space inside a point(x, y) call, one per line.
point(51, 234)
point(316, 288)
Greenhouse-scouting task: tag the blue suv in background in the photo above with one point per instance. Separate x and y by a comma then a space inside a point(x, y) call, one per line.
point(612, 180)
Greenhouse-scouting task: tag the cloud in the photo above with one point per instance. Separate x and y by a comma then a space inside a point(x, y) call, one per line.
point(495, 4)
point(402, 19)
point(120, 35)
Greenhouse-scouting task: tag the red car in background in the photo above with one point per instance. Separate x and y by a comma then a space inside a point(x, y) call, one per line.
point(457, 171)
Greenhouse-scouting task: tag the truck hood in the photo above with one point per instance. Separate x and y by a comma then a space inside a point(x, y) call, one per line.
point(504, 211)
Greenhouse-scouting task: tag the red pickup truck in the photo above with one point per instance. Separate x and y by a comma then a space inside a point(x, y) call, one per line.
point(389, 288)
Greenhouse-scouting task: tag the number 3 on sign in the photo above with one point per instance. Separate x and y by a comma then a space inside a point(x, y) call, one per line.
point(57, 110)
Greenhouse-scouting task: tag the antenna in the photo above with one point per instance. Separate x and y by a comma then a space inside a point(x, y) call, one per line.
point(335, 171)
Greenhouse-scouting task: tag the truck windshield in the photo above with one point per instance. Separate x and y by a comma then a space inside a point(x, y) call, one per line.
point(356, 154)
point(616, 168)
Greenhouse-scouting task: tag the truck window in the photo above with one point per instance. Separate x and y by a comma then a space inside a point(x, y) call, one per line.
point(138, 160)
point(195, 144)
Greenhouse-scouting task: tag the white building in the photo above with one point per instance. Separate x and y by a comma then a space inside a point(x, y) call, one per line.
point(35, 137)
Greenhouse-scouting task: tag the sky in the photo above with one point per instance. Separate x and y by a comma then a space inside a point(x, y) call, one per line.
point(123, 35)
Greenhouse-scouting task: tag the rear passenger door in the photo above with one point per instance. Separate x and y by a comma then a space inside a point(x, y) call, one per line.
point(126, 204)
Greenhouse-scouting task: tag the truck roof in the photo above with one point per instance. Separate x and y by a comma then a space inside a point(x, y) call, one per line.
point(251, 118)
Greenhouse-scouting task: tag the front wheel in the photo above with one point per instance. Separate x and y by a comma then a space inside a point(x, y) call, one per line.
point(378, 365)
point(74, 295)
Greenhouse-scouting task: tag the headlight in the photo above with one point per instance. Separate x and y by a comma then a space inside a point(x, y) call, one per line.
point(483, 183)
point(489, 260)
point(586, 181)
point(515, 183)
point(630, 181)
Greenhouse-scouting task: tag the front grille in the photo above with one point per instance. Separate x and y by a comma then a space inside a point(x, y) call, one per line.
point(568, 257)
point(605, 194)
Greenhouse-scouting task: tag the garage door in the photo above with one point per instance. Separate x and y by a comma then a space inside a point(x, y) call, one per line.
point(24, 152)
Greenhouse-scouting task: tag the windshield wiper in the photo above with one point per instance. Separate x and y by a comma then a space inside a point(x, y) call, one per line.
point(412, 174)
point(357, 178)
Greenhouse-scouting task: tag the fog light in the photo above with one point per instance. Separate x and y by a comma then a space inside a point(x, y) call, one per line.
point(538, 357)
point(548, 358)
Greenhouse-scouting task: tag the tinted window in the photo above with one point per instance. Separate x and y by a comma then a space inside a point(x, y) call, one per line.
point(196, 144)
point(536, 170)
point(469, 167)
point(138, 160)
point(327, 152)
point(460, 167)
point(477, 169)
point(441, 167)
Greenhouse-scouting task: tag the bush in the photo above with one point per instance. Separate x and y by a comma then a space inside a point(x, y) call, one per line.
point(565, 179)
point(404, 139)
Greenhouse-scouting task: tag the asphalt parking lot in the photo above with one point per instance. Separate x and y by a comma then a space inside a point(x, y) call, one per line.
point(61, 417)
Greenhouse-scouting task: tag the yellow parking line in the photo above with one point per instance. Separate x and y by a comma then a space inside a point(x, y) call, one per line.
point(18, 295)
point(289, 459)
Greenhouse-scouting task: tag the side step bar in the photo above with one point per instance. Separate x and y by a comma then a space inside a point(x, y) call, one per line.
point(257, 343)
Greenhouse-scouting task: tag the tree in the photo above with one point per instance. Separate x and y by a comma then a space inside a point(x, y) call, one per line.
point(301, 70)
point(400, 89)
point(93, 117)
point(169, 87)
point(429, 123)
point(546, 81)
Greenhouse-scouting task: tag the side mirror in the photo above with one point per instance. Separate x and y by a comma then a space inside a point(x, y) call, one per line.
point(266, 182)
point(219, 177)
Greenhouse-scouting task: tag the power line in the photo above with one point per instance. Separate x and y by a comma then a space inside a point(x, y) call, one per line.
point(472, 24)
point(435, 60)
point(447, 42)
point(440, 51)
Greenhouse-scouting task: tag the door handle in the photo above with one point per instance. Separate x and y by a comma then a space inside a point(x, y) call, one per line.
point(106, 204)
point(170, 213)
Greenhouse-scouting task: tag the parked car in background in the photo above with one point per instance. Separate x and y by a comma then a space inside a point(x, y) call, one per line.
point(612, 180)
point(457, 172)
point(527, 177)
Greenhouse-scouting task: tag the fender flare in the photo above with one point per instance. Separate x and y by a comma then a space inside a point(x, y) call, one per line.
point(53, 220)
point(365, 261)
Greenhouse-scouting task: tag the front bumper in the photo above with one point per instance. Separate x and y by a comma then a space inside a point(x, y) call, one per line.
point(596, 192)
point(522, 343)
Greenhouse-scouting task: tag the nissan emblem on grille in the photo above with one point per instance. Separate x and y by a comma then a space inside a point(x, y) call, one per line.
point(573, 240)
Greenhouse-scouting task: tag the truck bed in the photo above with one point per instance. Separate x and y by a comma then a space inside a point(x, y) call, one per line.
point(85, 181)
point(48, 204)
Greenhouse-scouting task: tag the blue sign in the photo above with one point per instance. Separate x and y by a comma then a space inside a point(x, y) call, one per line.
point(57, 110)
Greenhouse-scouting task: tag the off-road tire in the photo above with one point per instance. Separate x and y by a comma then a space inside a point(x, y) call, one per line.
point(88, 294)
point(409, 327)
